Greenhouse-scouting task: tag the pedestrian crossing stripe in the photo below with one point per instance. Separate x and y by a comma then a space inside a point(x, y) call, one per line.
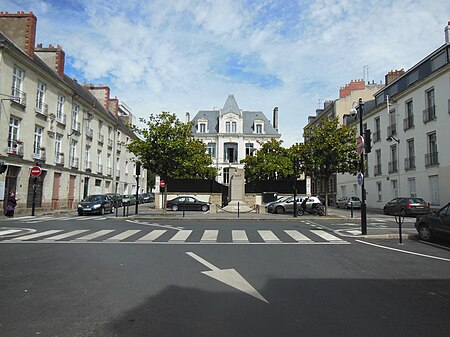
point(161, 236)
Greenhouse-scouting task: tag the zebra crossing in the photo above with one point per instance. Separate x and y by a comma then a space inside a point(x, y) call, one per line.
point(33, 220)
point(185, 236)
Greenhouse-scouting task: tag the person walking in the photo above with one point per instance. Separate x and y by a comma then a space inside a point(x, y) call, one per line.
point(303, 205)
point(11, 204)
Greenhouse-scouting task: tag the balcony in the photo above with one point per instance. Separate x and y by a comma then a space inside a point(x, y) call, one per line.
point(376, 136)
point(61, 118)
point(100, 168)
point(392, 166)
point(76, 126)
point(101, 138)
point(59, 158)
point(89, 133)
point(41, 109)
point(431, 159)
point(392, 130)
point(39, 154)
point(88, 165)
point(109, 171)
point(410, 163)
point(429, 114)
point(19, 97)
point(408, 123)
point(16, 149)
point(74, 162)
point(377, 170)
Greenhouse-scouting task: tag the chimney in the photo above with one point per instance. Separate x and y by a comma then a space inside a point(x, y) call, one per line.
point(447, 33)
point(54, 57)
point(393, 75)
point(353, 85)
point(102, 94)
point(275, 118)
point(188, 117)
point(21, 29)
point(114, 106)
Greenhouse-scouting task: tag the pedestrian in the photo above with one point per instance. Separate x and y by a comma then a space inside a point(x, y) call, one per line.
point(303, 205)
point(11, 204)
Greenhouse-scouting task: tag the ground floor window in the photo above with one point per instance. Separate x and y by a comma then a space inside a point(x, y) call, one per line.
point(379, 191)
point(412, 187)
point(434, 189)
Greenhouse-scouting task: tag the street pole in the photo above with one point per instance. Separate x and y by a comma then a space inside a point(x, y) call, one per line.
point(361, 169)
point(33, 204)
point(137, 195)
point(295, 186)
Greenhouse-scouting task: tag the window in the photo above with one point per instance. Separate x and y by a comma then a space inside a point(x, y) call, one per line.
point(108, 160)
point(226, 175)
point(75, 113)
point(438, 61)
point(73, 154)
point(99, 157)
point(393, 165)
point(211, 147)
point(118, 163)
point(377, 133)
point(410, 161)
point(40, 96)
point(379, 191)
point(249, 149)
point(233, 127)
point(118, 136)
point(227, 127)
point(429, 113)
point(37, 145)
point(58, 146)
point(18, 76)
point(377, 167)
point(259, 128)
point(87, 156)
point(394, 184)
point(434, 189)
point(412, 77)
point(431, 158)
point(13, 135)
point(98, 182)
point(231, 152)
point(60, 109)
point(408, 122)
point(412, 187)
point(202, 127)
point(126, 167)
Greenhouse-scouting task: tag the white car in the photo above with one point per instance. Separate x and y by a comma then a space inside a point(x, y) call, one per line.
point(347, 202)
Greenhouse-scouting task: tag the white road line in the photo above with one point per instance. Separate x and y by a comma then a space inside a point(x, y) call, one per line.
point(124, 235)
point(66, 235)
point(95, 235)
point(10, 231)
point(268, 236)
point(85, 218)
point(210, 235)
point(239, 235)
point(405, 251)
point(181, 236)
point(67, 218)
point(297, 236)
point(355, 232)
point(37, 235)
point(153, 235)
point(325, 235)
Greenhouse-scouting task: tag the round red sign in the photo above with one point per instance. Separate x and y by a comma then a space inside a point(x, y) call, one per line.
point(36, 171)
point(162, 184)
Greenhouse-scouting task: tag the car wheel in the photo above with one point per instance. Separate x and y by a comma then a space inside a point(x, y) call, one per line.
point(174, 208)
point(102, 210)
point(205, 208)
point(337, 205)
point(112, 209)
point(385, 211)
point(279, 210)
point(425, 233)
point(80, 213)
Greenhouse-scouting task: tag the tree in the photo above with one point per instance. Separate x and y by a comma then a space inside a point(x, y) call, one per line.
point(166, 147)
point(272, 161)
point(329, 149)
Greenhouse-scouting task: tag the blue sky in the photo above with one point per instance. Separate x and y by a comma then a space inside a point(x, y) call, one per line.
point(188, 55)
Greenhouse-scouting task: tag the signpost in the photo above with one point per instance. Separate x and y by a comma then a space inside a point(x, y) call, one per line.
point(35, 172)
point(360, 178)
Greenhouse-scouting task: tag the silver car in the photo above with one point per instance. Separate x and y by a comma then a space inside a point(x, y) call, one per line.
point(284, 206)
point(347, 202)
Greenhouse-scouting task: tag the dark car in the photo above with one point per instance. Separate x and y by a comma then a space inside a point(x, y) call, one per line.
point(406, 206)
point(115, 198)
point(185, 203)
point(435, 224)
point(95, 204)
point(148, 197)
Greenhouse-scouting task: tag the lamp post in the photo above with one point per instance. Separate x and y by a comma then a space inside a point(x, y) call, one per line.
point(395, 139)
point(359, 112)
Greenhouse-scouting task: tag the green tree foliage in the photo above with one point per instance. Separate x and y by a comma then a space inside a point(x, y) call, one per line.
point(272, 161)
point(166, 147)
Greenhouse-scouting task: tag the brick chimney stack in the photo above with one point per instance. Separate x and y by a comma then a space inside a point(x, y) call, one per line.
point(21, 29)
point(353, 85)
point(275, 118)
point(447, 33)
point(393, 75)
point(102, 94)
point(54, 57)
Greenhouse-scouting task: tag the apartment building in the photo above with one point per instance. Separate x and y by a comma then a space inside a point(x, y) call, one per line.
point(231, 134)
point(410, 121)
point(73, 132)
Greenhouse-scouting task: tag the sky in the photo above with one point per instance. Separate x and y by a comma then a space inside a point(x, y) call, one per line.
point(189, 55)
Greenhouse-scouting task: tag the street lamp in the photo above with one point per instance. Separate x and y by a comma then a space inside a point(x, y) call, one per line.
point(359, 113)
point(395, 139)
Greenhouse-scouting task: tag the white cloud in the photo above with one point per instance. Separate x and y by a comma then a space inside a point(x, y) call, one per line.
point(172, 54)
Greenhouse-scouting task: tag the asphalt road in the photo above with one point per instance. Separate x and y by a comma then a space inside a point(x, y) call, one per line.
point(100, 276)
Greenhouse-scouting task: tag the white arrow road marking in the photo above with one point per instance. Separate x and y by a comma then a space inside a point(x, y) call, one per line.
point(228, 276)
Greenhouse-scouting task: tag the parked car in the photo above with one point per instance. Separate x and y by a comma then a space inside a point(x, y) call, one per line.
point(347, 202)
point(186, 203)
point(116, 199)
point(129, 199)
point(95, 204)
point(284, 205)
point(435, 224)
point(148, 197)
point(406, 206)
point(280, 199)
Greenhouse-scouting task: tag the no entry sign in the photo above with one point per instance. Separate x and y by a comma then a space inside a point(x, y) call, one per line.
point(36, 171)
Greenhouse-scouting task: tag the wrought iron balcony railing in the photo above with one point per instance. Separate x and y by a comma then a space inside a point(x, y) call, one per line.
point(74, 162)
point(392, 166)
point(410, 163)
point(408, 123)
point(377, 170)
point(431, 159)
point(392, 130)
point(429, 114)
point(19, 96)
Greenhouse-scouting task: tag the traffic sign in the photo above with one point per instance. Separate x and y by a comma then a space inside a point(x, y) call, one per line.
point(360, 144)
point(162, 184)
point(360, 178)
point(36, 171)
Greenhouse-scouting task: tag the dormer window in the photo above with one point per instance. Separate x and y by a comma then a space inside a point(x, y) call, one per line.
point(259, 127)
point(231, 127)
point(202, 127)
point(227, 127)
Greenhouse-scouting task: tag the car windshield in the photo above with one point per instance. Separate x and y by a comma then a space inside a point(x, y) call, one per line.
point(416, 201)
point(93, 198)
point(355, 198)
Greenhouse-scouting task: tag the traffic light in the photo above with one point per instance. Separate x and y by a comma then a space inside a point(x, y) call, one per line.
point(367, 141)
